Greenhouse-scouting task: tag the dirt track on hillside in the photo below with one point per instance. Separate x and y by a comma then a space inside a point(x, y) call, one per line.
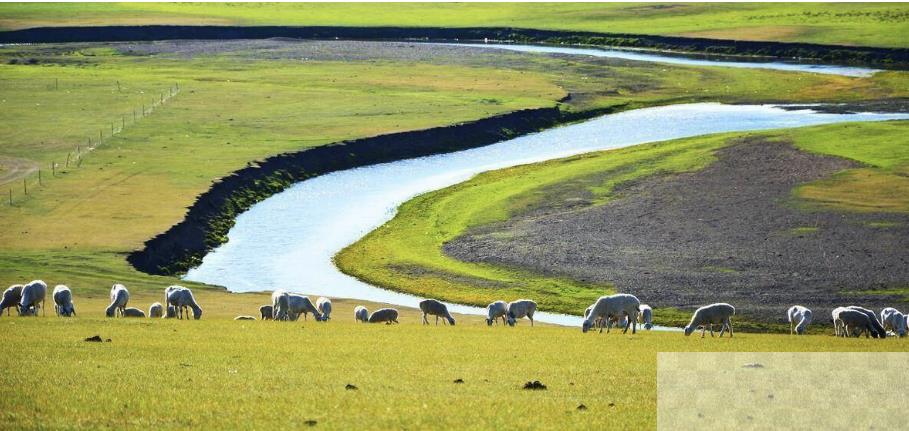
point(727, 233)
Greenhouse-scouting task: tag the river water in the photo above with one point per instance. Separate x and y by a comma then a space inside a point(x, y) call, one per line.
point(288, 240)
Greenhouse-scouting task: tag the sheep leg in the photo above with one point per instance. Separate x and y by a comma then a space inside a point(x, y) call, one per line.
point(729, 325)
point(530, 316)
point(722, 329)
point(425, 322)
point(711, 329)
point(437, 320)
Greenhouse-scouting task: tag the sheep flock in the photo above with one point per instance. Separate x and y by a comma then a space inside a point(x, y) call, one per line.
point(622, 310)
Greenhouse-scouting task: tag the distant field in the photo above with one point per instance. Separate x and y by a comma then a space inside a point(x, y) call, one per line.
point(216, 372)
point(240, 101)
point(868, 24)
point(408, 254)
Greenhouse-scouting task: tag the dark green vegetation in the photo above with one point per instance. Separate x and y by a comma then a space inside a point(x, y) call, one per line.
point(535, 230)
point(867, 24)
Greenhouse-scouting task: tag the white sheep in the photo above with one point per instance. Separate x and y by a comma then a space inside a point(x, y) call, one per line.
point(646, 316)
point(244, 318)
point(279, 304)
point(877, 330)
point(853, 322)
point(709, 315)
point(63, 301)
point(518, 309)
point(119, 297)
point(835, 317)
point(11, 298)
point(33, 296)
point(182, 299)
point(133, 312)
point(267, 312)
point(494, 311)
point(598, 322)
point(618, 306)
point(301, 304)
point(894, 320)
point(323, 304)
point(386, 315)
point(799, 319)
point(170, 312)
point(435, 308)
point(361, 314)
point(156, 310)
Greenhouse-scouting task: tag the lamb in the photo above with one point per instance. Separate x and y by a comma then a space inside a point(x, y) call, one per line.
point(646, 316)
point(518, 309)
point(11, 298)
point(894, 320)
point(297, 304)
point(323, 304)
point(854, 322)
point(156, 311)
point(435, 308)
point(133, 312)
point(170, 312)
point(33, 296)
point(877, 329)
point(63, 301)
point(119, 297)
point(719, 313)
point(387, 315)
point(598, 322)
point(182, 298)
point(267, 312)
point(361, 314)
point(279, 304)
point(494, 311)
point(244, 318)
point(618, 306)
point(799, 319)
point(838, 330)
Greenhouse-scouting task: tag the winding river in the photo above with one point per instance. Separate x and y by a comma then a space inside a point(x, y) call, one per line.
point(288, 240)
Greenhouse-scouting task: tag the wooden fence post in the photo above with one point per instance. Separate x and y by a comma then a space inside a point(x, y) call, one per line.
point(39, 177)
point(24, 186)
point(67, 160)
point(54, 168)
point(10, 197)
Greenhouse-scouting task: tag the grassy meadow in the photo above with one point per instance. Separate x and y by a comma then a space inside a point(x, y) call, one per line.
point(868, 24)
point(224, 374)
point(406, 253)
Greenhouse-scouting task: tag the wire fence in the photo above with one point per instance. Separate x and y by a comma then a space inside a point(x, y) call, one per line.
point(33, 181)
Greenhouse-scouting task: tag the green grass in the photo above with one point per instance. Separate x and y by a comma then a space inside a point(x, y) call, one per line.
point(216, 372)
point(406, 253)
point(870, 24)
point(232, 109)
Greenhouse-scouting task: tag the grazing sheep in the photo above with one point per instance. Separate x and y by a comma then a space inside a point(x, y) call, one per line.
point(11, 298)
point(894, 320)
point(619, 305)
point(598, 322)
point(853, 321)
point(494, 311)
point(323, 304)
point(435, 308)
point(244, 318)
point(156, 310)
point(361, 314)
point(799, 319)
point(646, 316)
point(33, 296)
point(877, 329)
point(387, 315)
point(719, 313)
point(133, 312)
point(119, 297)
point(300, 304)
point(279, 304)
point(267, 311)
point(63, 301)
point(182, 299)
point(519, 309)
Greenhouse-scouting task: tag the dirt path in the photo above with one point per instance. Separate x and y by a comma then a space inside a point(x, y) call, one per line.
point(12, 168)
point(729, 232)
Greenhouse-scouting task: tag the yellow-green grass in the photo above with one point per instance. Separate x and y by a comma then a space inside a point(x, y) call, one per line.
point(406, 253)
point(231, 110)
point(870, 24)
point(222, 374)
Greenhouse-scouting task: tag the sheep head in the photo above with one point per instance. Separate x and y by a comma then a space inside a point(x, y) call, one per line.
point(689, 329)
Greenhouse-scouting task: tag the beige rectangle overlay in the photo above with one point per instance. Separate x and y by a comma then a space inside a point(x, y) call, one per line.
point(782, 390)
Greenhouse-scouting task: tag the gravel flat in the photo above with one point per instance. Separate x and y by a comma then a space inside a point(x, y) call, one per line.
point(730, 232)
